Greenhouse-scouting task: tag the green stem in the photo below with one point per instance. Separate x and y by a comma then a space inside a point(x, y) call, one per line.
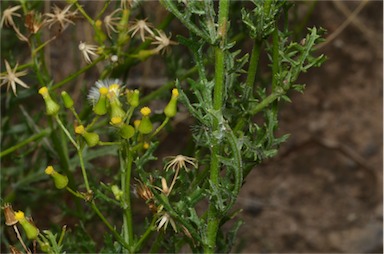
point(106, 4)
point(126, 169)
point(252, 69)
point(213, 216)
point(171, 7)
point(275, 58)
point(104, 143)
point(114, 232)
point(80, 8)
point(145, 235)
point(76, 74)
point(264, 103)
point(35, 137)
point(75, 193)
point(166, 120)
point(66, 132)
point(84, 172)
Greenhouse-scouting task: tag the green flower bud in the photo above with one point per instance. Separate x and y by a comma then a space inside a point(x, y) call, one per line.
point(116, 109)
point(44, 246)
point(145, 126)
point(91, 138)
point(171, 109)
point(133, 97)
point(116, 192)
point(61, 181)
point(100, 108)
point(68, 102)
point(100, 36)
point(30, 230)
point(127, 131)
point(51, 106)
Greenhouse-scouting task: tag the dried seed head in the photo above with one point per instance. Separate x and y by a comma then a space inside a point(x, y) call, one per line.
point(9, 215)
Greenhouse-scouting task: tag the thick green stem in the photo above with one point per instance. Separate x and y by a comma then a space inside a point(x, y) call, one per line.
point(126, 161)
point(213, 216)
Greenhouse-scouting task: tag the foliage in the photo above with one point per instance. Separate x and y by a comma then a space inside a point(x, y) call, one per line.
point(219, 83)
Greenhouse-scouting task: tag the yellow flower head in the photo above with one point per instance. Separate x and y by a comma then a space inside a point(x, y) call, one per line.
point(103, 90)
point(116, 120)
point(80, 129)
point(175, 92)
point(19, 215)
point(49, 170)
point(43, 91)
point(145, 111)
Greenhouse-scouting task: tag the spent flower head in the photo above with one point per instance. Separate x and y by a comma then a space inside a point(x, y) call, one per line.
point(87, 50)
point(111, 21)
point(7, 18)
point(9, 215)
point(164, 220)
point(141, 26)
point(61, 16)
point(162, 41)
point(180, 161)
point(12, 77)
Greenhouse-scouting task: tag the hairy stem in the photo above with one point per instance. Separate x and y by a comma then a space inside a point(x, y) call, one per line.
point(213, 217)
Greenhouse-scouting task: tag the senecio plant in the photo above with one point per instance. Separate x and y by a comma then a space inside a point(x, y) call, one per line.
point(235, 109)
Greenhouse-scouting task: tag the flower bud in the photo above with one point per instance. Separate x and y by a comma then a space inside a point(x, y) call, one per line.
point(116, 121)
point(171, 109)
point(51, 106)
point(116, 192)
point(145, 126)
point(100, 36)
point(116, 109)
point(61, 181)
point(100, 108)
point(136, 124)
point(44, 246)
point(146, 145)
point(30, 229)
point(91, 138)
point(68, 102)
point(133, 97)
point(127, 131)
point(9, 215)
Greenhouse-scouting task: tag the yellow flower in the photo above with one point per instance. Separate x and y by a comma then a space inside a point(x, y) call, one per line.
point(145, 111)
point(30, 230)
point(12, 77)
point(61, 181)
